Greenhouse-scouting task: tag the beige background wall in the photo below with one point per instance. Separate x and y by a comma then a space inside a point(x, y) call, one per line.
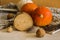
point(53, 3)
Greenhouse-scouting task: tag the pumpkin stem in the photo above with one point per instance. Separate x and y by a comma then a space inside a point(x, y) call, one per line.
point(41, 16)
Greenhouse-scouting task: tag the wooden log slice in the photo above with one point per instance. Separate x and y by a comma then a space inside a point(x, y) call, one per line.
point(23, 22)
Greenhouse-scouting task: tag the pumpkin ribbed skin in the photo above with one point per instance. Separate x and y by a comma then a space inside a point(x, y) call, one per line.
point(29, 7)
point(42, 16)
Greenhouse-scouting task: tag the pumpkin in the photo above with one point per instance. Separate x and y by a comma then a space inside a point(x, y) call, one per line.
point(29, 7)
point(42, 16)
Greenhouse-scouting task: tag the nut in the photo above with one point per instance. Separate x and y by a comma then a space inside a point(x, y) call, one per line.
point(9, 29)
point(40, 32)
point(10, 15)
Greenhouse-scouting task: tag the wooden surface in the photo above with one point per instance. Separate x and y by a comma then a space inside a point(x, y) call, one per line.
point(50, 3)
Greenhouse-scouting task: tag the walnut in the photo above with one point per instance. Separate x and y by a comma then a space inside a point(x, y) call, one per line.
point(40, 32)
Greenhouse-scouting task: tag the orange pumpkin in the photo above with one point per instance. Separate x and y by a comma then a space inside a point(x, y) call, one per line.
point(42, 16)
point(29, 7)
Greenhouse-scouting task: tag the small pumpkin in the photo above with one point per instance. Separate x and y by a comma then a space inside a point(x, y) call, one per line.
point(29, 7)
point(42, 16)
